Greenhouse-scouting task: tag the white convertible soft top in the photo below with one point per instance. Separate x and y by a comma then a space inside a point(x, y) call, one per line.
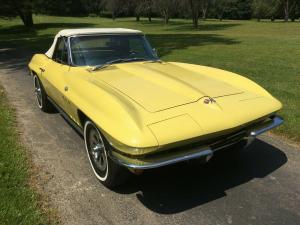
point(71, 32)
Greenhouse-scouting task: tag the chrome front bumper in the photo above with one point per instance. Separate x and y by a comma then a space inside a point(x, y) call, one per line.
point(205, 152)
point(274, 122)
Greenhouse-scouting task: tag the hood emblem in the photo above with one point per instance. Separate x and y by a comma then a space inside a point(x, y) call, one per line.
point(209, 100)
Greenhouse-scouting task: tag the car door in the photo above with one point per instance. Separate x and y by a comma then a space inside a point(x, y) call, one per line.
point(55, 73)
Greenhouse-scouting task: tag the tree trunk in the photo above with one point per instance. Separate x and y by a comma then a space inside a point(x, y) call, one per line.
point(166, 16)
point(204, 10)
point(167, 20)
point(204, 14)
point(113, 15)
point(195, 20)
point(195, 13)
point(137, 17)
point(221, 17)
point(26, 17)
point(286, 11)
point(293, 12)
point(272, 18)
point(150, 11)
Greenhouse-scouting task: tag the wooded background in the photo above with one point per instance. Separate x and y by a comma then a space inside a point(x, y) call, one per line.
point(289, 10)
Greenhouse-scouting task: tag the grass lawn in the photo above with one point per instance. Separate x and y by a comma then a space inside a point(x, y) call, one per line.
point(18, 203)
point(268, 53)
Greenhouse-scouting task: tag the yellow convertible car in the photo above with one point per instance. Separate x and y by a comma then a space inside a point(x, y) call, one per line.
point(137, 112)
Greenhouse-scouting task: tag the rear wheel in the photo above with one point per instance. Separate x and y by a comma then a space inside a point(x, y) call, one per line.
point(43, 103)
point(108, 172)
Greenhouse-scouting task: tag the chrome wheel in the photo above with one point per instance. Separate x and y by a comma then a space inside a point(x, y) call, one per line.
point(96, 151)
point(38, 91)
point(41, 95)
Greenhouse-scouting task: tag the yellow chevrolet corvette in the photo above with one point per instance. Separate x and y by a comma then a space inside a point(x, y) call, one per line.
point(137, 112)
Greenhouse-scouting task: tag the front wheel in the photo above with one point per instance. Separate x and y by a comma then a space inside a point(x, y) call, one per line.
point(108, 172)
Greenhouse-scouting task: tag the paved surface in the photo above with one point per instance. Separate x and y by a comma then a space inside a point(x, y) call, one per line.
point(261, 187)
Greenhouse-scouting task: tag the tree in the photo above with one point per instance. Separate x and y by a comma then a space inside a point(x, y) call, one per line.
point(141, 7)
point(194, 7)
point(289, 6)
point(62, 8)
point(273, 9)
point(23, 9)
point(231, 9)
point(226, 9)
point(149, 9)
point(166, 8)
point(94, 6)
point(113, 6)
point(204, 7)
point(137, 6)
point(219, 7)
point(244, 11)
point(286, 5)
point(295, 12)
point(260, 8)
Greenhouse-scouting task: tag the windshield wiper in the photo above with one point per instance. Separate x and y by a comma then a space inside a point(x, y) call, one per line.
point(143, 59)
point(101, 66)
point(134, 59)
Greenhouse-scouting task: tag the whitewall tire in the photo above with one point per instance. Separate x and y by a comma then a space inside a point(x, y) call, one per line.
point(108, 172)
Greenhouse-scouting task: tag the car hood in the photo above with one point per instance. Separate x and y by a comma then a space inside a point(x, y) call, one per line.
point(160, 86)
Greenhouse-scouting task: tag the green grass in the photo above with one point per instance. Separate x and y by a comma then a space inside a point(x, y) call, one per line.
point(18, 202)
point(268, 53)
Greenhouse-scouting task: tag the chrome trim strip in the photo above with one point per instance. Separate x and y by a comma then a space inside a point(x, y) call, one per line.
point(207, 154)
point(70, 53)
point(107, 34)
point(276, 121)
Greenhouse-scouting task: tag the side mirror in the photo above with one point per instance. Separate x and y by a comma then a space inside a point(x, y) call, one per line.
point(155, 52)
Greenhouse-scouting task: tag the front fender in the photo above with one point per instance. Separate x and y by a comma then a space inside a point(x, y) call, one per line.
point(120, 119)
point(37, 62)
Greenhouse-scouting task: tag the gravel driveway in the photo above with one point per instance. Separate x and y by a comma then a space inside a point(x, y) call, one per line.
point(261, 187)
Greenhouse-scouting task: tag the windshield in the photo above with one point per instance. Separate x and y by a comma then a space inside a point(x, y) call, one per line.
point(102, 49)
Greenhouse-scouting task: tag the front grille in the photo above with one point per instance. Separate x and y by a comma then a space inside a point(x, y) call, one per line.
point(230, 140)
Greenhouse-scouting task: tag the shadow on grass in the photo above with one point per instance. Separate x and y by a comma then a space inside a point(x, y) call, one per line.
point(166, 43)
point(185, 25)
point(202, 27)
point(175, 189)
point(41, 26)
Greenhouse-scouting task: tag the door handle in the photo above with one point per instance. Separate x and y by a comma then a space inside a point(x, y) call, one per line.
point(42, 69)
